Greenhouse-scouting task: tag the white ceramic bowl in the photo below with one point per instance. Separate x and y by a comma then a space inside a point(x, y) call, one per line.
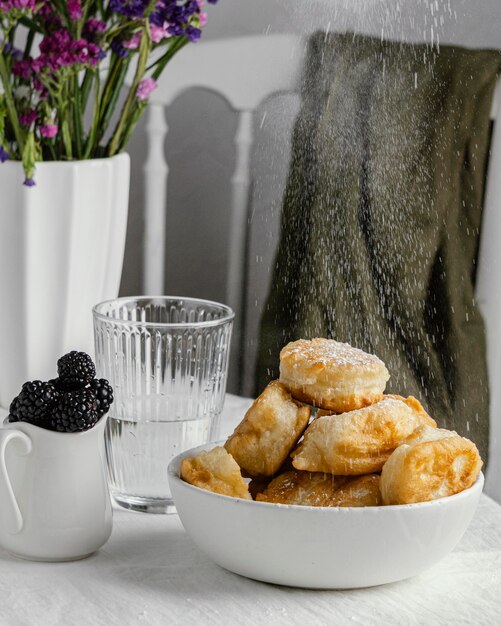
point(321, 547)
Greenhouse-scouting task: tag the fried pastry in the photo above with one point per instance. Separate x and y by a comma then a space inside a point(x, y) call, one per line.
point(414, 404)
point(306, 488)
point(269, 431)
point(332, 375)
point(358, 442)
point(319, 489)
point(431, 463)
point(411, 401)
point(215, 471)
point(360, 491)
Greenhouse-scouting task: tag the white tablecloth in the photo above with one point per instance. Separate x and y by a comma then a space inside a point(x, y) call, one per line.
point(150, 573)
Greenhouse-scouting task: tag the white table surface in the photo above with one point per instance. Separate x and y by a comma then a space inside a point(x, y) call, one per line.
point(150, 573)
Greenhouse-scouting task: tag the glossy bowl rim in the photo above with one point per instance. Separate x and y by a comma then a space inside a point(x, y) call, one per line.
point(173, 474)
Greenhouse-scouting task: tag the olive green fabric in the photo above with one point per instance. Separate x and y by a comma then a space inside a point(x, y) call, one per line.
point(381, 218)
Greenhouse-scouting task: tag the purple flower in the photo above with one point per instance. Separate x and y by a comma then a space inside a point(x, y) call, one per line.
point(29, 182)
point(118, 49)
point(48, 131)
point(193, 33)
point(4, 155)
point(180, 17)
point(92, 27)
point(74, 9)
point(10, 49)
point(59, 49)
point(23, 69)
point(129, 8)
point(27, 118)
point(8, 5)
point(145, 87)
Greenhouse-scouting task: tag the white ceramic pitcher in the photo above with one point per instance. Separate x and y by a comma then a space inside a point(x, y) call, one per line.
point(54, 498)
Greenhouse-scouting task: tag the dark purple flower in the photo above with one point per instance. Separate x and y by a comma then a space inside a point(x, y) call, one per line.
point(27, 118)
point(4, 155)
point(29, 182)
point(175, 30)
point(8, 5)
point(118, 49)
point(193, 33)
point(59, 49)
point(129, 8)
point(212, 1)
point(74, 9)
point(14, 52)
point(52, 21)
point(23, 69)
point(180, 17)
point(92, 28)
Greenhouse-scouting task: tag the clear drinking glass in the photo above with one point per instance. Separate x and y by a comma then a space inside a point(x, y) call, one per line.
point(167, 360)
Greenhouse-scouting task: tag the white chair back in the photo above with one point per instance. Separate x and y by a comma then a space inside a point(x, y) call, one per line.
point(244, 71)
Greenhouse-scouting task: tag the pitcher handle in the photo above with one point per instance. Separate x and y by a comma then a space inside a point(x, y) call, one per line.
point(13, 518)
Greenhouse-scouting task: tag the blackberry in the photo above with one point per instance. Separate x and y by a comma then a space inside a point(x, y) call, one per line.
point(57, 384)
point(76, 411)
point(75, 370)
point(104, 395)
point(34, 403)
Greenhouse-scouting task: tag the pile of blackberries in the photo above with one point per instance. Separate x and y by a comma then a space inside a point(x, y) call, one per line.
point(73, 402)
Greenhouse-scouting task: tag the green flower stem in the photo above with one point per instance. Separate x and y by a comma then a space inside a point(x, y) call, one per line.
point(66, 122)
point(11, 109)
point(144, 51)
point(95, 121)
point(86, 87)
point(77, 116)
point(113, 88)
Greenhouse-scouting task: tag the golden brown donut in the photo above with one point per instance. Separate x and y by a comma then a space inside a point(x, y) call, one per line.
point(269, 431)
point(358, 442)
point(215, 471)
point(432, 463)
point(332, 375)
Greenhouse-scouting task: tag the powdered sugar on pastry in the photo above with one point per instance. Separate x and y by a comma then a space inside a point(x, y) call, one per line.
point(332, 375)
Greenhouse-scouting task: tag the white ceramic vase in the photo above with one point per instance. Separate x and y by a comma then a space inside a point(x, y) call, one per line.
point(61, 252)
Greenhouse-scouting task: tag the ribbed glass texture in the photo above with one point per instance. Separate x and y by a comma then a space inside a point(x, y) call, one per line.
point(167, 360)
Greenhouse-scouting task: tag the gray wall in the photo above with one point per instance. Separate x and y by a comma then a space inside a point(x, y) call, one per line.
point(200, 142)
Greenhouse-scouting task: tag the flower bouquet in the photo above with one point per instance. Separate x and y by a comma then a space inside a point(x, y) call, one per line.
point(63, 69)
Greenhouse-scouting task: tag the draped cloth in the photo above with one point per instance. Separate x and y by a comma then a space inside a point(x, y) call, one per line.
point(382, 216)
